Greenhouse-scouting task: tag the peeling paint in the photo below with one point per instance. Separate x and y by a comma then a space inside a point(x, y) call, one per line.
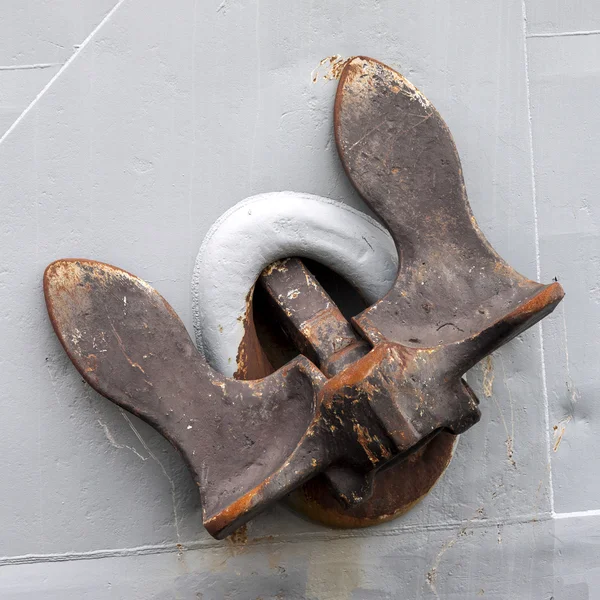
point(329, 68)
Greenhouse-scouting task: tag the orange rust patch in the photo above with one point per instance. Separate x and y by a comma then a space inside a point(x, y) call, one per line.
point(357, 373)
point(550, 295)
point(251, 360)
point(364, 439)
point(92, 360)
point(239, 507)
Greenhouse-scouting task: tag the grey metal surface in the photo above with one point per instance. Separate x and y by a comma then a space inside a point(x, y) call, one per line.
point(36, 38)
point(552, 17)
point(169, 115)
point(565, 76)
point(461, 562)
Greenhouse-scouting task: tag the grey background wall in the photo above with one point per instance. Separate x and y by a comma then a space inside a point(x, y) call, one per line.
point(128, 127)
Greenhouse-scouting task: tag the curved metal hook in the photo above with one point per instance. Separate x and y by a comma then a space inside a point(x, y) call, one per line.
point(248, 443)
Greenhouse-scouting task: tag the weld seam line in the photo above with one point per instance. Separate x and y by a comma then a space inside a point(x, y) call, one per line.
point(315, 536)
point(537, 259)
point(563, 34)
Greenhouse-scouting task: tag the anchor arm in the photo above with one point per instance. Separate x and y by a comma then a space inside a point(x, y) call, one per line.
point(400, 156)
point(131, 347)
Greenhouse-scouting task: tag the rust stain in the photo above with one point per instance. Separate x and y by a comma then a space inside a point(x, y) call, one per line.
point(240, 536)
point(92, 363)
point(274, 560)
point(559, 431)
point(488, 377)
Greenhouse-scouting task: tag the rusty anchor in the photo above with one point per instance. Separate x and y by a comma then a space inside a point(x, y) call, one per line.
point(363, 397)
